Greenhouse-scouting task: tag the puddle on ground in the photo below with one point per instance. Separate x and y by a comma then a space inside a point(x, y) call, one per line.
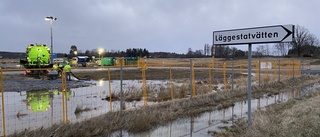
point(35, 109)
point(215, 120)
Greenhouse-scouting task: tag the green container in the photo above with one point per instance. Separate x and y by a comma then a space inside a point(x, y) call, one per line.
point(107, 61)
point(130, 61)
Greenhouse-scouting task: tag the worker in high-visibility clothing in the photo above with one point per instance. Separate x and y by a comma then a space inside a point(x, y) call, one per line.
point(60, 65)
point(67, 70)
point(55, 67)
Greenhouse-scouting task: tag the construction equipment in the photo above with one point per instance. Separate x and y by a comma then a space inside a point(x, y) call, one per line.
point(37, 60)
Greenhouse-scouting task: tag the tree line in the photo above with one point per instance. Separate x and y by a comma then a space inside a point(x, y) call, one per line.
point(304, 44)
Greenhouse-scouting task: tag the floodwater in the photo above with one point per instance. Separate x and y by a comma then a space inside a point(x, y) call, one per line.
point(35, 109)
point(206, 123)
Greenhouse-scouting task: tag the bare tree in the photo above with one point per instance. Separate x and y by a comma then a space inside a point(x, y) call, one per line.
point(226, 51)
point(302, 36)
point(205, 49)
point(280, 47)
point(266, 49)
point(260, 50)
point(73, 49)
point(208, 49)
point(233, 51)
point(212, 50)
point(87, 52)
point(312, 40)
point(189, 51)
point(218, 51)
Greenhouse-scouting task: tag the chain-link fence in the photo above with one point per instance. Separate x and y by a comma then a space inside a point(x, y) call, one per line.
point(37, 102)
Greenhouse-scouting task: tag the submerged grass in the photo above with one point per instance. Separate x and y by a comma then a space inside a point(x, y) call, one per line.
point(295, 118)
point(146, 118)
point(21, 114)
point(80, 109)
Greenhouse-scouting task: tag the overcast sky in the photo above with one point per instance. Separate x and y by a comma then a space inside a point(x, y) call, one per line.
point(157, 25)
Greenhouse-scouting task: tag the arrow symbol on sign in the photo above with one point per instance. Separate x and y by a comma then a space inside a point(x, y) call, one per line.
point(288, 33)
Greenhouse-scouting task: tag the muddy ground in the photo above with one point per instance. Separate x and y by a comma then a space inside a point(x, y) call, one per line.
point(152, 74)
point(19, 82)
point(149, 117)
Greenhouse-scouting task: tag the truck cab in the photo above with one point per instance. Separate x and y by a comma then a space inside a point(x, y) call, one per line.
point(82, 61)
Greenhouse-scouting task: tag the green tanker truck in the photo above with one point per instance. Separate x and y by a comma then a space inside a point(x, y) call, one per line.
point(37, 59)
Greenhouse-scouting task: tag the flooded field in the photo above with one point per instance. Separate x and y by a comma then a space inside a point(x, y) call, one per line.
point(37, 109)
point(207, 123)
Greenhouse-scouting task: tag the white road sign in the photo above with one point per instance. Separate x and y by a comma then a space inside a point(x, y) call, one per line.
point(268, 34)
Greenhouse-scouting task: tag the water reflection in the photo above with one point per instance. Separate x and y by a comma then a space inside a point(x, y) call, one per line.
point(40, 101)
point(205, 124)
point(44, 108)
point(101, 83)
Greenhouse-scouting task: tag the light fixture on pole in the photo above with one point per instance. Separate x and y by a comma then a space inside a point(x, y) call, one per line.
point(51, 19)
point(100, 51)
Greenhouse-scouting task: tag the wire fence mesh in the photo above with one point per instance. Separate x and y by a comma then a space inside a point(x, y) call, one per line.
point(125, 85)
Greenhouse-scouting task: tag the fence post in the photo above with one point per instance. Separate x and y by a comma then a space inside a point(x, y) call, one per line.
point(63, 89)
point(232, 75)
point(190, 86)
point(171, 86)
point(64, 98)
point(274, 66)
point(2, 101)
point(194, 92)
point(121, 91)
point(212, 67)
point(288, 68)
point(299, 69)
point(144, 85)
point(267, 66)
point(138, 62)
point(241, 68)
point(212, 61)
point(210, 77)
point(292, 68)
point(279, 70)
point(258, 71)
point(66, 103)
point(224, 76)
point(123, 62)
point(110, 93)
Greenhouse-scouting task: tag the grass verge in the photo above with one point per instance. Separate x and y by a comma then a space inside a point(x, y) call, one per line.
point(294, 118)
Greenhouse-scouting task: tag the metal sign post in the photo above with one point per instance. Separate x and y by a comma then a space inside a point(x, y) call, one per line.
point(267, 34)
point(249, 84)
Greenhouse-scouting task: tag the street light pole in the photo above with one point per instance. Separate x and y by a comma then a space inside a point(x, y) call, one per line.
point(51, 19)
point(100, 51)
